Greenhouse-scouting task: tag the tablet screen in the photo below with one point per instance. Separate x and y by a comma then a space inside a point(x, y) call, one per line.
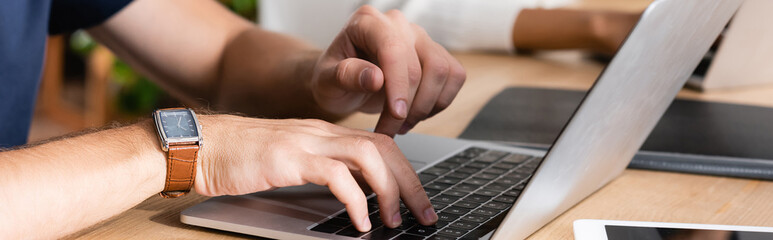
point(652, 233)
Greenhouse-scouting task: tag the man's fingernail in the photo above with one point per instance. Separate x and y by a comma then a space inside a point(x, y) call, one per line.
point(397, 220)
point(366, 223)
point(401, 108)
point(366, 79)
point(430, 215)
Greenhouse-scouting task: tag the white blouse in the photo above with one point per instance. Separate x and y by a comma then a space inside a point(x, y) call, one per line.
point(460, 25)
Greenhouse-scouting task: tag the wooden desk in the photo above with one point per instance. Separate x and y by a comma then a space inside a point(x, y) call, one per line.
point(636, 195)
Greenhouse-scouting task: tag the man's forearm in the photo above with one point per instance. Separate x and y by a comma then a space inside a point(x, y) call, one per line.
point(268, 74)
point(59, 187)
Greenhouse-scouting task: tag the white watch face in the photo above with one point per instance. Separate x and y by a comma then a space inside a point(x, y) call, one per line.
point(178, 124)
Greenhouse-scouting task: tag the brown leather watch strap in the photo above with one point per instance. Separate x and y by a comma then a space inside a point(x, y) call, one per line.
point(180, 170)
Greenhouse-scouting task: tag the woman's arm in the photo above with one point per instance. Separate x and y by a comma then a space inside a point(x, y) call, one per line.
point(549, 29)
point(196, 49)
point(202, 53)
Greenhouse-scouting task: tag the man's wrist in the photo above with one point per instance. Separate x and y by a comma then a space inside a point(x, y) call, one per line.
point(153, 158)
point(211, 132)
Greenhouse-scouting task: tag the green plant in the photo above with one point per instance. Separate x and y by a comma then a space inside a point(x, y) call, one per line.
point(136, 94)
point(245, 8)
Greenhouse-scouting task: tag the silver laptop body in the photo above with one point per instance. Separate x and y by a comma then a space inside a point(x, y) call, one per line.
point(595, 146)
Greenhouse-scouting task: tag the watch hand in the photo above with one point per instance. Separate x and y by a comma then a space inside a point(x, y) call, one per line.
point(180, 126)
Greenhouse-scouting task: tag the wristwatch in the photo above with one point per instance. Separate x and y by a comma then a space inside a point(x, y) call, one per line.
point(180, 135)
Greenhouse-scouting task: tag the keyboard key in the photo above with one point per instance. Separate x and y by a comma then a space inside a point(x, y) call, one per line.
point(372, 207)
point(477, 165)
point(519, 186)
point(531, 164)
point(409, 237)
point(438, 186)
point(456, 210)
point(408, 222)
point(431, 192)
point(471, 152)
point(486, 176)
point(505, 199)
point(458, 175)
point(422, 230)
point(441, 224)
point(351, 232)
point(444, 216)
point(461, 224)
point(451, 232)
point(424, 178)
point(506, 166)
point(476, 182)
point(463, 187)
point(508, 181)
point(439, 206)
point(491, 156)
point(512, 193)
point(516, 159)
point(326, 228)
point(447, 165)
point(436, 171)
point(525, 170)
point(475, 218)
point(375, 218)
point(465, 204)
point(497, 187)
point(449, 180)
point(340, 222)
point(487, 193)
point(495, 171)
point(443, 198)
point(455, 193)
point(457, 160)
point(485, 212)
point(476, 199)
point(517, 175)
point(499, 154)
point(486, 227)
point(382, 233)
point(469, 170)
point(497, 205)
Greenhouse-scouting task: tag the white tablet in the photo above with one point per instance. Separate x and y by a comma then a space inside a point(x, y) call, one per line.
point(587, 229)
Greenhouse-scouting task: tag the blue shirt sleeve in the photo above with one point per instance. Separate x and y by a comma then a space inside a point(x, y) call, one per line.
point(70, 15)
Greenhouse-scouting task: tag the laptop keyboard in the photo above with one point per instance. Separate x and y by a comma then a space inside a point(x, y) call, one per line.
point(470, 191)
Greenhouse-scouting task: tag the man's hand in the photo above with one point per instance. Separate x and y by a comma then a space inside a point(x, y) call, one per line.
point(246, 155)
point(382, 63)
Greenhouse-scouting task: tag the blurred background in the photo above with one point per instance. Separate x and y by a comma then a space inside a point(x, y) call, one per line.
point(85, 86)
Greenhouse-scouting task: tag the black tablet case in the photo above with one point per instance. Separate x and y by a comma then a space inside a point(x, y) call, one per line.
point(692, 137)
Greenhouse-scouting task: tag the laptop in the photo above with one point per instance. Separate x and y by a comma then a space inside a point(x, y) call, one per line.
point(743, 56)
point(483, 190)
